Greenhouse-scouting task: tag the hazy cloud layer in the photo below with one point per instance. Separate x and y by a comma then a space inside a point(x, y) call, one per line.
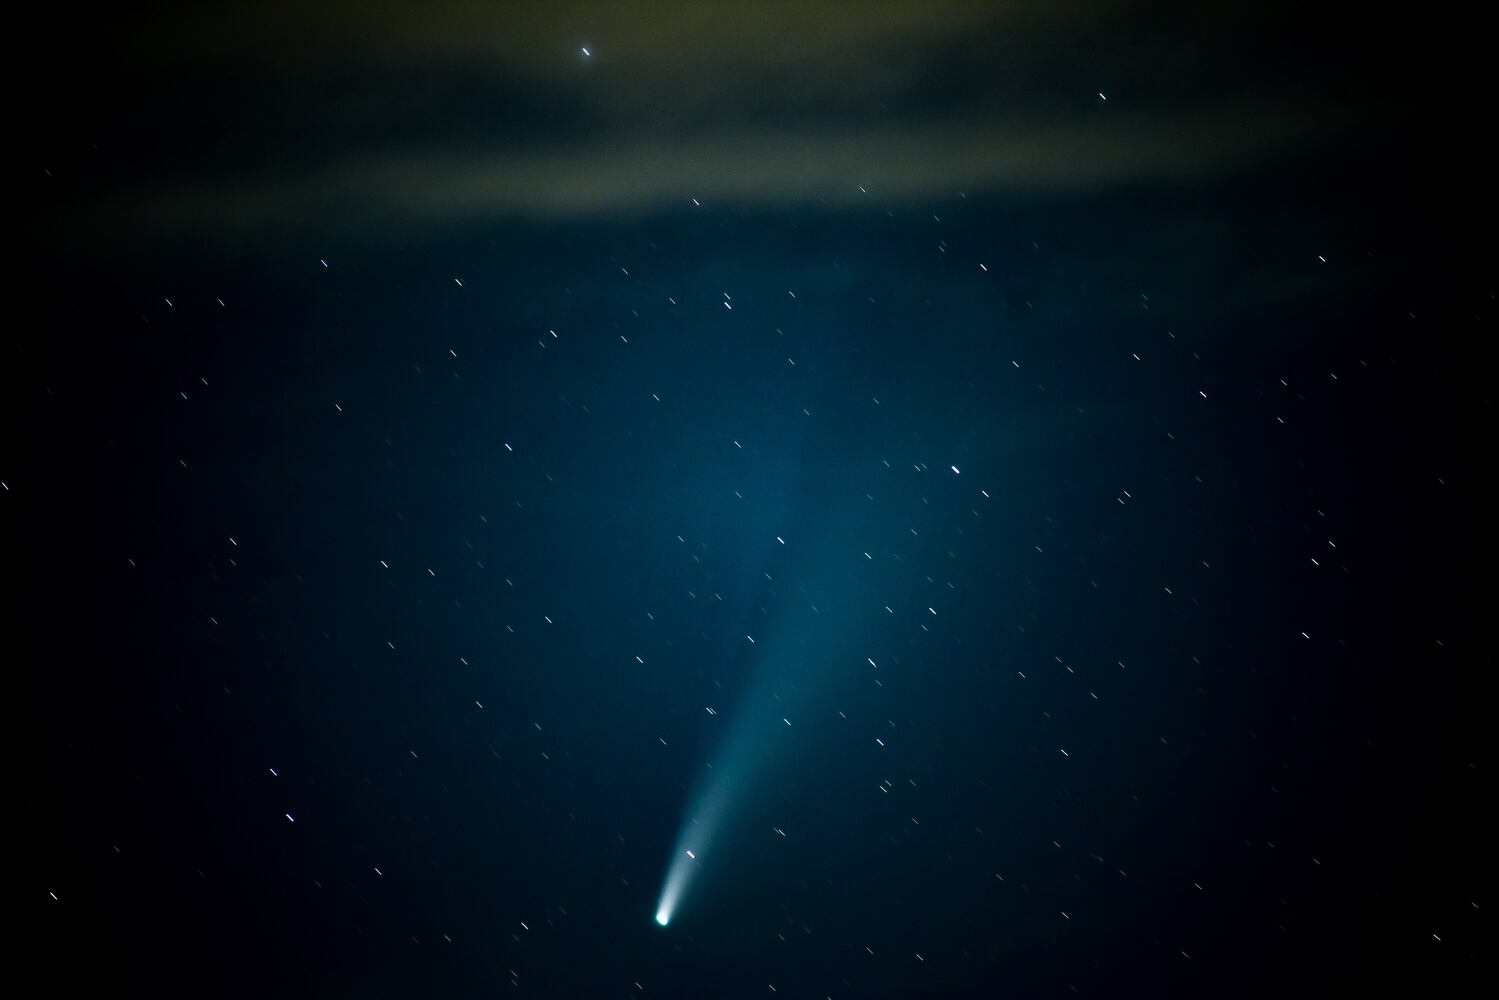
point(255, 117)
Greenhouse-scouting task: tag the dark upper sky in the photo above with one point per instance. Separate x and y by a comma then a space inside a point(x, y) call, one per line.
point(249, 121)
point(1024, 460)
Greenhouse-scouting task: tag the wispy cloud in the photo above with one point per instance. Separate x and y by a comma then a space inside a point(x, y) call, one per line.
point(367, 115)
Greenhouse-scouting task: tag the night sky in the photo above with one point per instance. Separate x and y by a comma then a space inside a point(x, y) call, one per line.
point(701, 500)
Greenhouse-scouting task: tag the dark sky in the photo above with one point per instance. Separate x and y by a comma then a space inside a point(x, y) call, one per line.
point(1002, 483)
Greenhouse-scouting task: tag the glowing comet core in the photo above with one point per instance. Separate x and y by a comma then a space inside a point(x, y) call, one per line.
point(676, 882)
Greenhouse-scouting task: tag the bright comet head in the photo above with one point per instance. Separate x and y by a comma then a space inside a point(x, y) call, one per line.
point(671, 893)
